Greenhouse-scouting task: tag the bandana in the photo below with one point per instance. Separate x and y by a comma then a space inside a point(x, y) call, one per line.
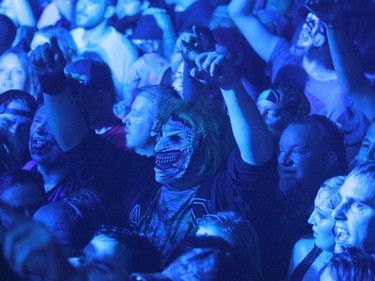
point(290, 99)
point(23, 113)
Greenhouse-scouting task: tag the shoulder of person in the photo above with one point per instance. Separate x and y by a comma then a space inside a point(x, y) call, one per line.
point(302, 248)
point(123, 38)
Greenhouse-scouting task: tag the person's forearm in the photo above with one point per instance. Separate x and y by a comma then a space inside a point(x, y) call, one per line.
point(164, 22)
point(257, 35)
point(351, 74)
point(238, 8)
point(24, 13)
point(66, 122)
point(346, 59)
point(192, 90)
point(169, 42)
point(249, 130)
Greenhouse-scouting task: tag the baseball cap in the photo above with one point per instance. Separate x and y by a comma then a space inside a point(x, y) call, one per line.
point(90, 73)
point(7, 97)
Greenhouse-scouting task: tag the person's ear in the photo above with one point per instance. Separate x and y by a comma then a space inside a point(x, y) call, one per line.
point(109, 12)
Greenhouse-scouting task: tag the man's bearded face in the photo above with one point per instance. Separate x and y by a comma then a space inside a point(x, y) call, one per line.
point(174, 150)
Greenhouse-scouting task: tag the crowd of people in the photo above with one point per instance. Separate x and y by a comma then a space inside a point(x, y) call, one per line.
point(187, 140)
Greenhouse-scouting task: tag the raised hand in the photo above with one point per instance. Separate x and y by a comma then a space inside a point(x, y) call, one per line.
point(213, 68)
point(48, 59)
point(195, 42)
point(49, 64)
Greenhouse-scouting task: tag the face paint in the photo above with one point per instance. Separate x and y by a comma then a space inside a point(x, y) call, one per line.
point(173, 151)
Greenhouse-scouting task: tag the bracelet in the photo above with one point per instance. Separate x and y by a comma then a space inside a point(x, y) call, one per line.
point(53, 85)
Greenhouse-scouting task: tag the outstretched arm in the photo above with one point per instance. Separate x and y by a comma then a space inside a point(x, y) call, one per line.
point(345, 56)
point(164, 22)
point(249, 130)
point(350, 71)
point(261, 40)
point(24, 13)
point(67, 124)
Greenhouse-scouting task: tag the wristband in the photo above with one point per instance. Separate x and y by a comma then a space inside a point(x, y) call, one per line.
point(53, 85)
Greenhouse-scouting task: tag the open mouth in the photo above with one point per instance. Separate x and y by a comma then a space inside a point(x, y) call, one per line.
point(341, 235)
point(41, 145)
point(40, 142)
